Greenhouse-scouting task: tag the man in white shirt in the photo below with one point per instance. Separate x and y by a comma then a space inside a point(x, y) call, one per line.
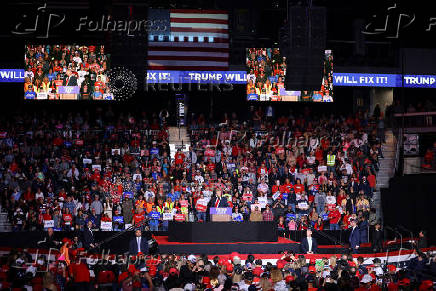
point(308, 244)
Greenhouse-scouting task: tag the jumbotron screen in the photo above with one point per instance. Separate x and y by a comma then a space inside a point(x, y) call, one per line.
point(66, 72)
point(266, 74)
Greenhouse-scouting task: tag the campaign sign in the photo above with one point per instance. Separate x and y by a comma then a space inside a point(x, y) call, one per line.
point(68, 90)
point(155, 215)
point(96, 167)
point(276, 195)
point(263, 201)
point(167, 216)
point(128, 194)
point(106, 226)
point(118, 219)
point(48, 223)
point(290, 216)
point(322, 169)
point(221, 210)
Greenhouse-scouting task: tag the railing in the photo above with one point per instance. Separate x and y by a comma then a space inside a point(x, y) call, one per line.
point(420, 121)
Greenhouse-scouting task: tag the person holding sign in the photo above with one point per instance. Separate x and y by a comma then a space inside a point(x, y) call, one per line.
point(308, 245)
point(154, 217)
point(138, 244)
point(201, 207)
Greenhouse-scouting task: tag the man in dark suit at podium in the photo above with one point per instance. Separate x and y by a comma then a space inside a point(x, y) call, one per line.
point(308, 245)
point(219, 201)
point(138, 244)
point(70, 79)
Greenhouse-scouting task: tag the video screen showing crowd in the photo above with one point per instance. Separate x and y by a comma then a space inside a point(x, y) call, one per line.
point(266, 70)
point(66, 72)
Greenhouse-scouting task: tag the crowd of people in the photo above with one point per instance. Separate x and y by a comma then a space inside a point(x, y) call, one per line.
point(266, 70)
point(115, 170)
point(200, 272)
point(50, 67)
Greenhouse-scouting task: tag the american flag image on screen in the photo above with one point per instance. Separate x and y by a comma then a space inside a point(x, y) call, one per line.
point(195, 40)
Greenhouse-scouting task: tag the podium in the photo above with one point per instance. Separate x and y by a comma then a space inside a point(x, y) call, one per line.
point(220, 214)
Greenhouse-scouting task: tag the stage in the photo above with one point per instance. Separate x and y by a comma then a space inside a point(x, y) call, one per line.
point(282, 244)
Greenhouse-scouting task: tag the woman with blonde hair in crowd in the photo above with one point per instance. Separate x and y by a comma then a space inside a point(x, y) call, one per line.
point(277, 280)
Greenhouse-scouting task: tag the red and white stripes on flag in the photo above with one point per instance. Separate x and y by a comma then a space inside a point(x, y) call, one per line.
point(197, 40)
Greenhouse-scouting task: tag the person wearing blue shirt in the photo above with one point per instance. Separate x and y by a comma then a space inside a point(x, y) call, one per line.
point(154, 217)
point(30, 94)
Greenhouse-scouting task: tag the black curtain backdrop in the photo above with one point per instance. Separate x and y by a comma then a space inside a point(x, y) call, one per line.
point(410, 202)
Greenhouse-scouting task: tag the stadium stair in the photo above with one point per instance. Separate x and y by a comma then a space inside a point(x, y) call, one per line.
point(386, 170)
point(178, 138)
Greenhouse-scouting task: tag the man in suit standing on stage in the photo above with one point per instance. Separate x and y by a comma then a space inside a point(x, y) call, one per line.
point(88, 236)
point(308, 245)
point(70, 79)
point(138, 244)
point(354, 238)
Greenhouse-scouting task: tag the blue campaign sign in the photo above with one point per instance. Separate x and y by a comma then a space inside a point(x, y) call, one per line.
point(128, 194)
point(202, 77)
point(11, 75)
point(119, 219)
point(420, 81)
point(155, 215)
point(285, 196)
point(366, 80)
point(290, 216)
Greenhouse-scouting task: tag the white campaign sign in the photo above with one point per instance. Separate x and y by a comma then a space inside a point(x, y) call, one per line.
point(106, 225)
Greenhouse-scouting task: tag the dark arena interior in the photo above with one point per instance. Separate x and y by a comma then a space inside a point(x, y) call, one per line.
point(217, 145)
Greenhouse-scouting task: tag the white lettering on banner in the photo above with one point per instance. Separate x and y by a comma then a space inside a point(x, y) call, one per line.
point(221, 210)
point(167, 216)
point(106, 225)
point(420, 80)
point(11, 74)
point(151, 76)
point(48, 223)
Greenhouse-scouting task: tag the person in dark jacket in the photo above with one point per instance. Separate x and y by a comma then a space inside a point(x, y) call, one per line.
point(138, 244)
point(49, 240)
point(377, 238)
point(88, 237)
point(363, 228)
point(354, 238)
point(422, 240)
point(308, 245)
